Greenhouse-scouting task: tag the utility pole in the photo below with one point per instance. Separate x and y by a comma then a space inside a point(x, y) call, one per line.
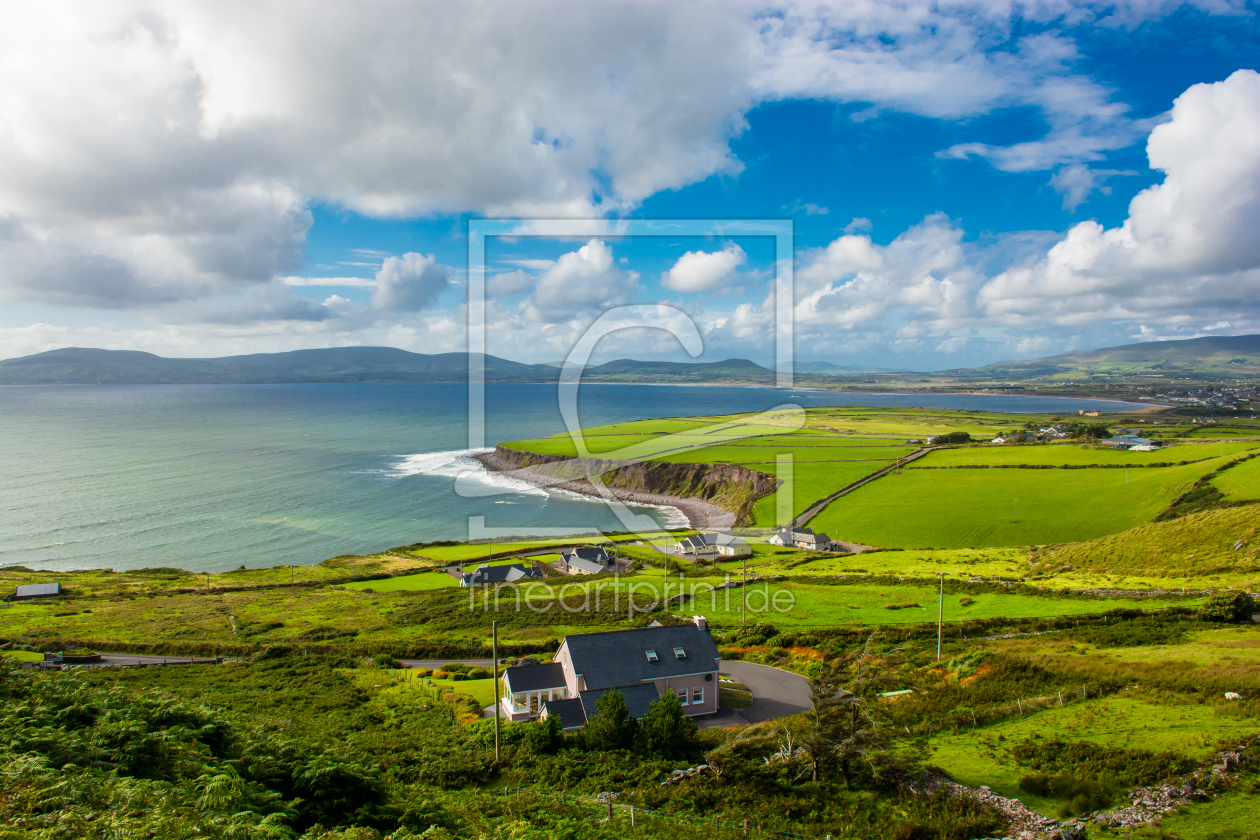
point(494, 651)
point(743, 595)
point(940, 619)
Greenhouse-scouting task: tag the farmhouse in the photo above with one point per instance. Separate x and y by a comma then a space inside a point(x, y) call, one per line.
point(802, 538)
point(585, 561)
point(497, 574)
point(642, 664)
point(712, 545)
point(38, 590)
point(1129, 442)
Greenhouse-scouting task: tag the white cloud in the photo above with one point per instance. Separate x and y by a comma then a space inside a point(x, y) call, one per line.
point(702, 271)
point(350, 282)
point(1189, 248)
point(510, 283)
point(410, 283)
point(581, 282)
point(1075, 183)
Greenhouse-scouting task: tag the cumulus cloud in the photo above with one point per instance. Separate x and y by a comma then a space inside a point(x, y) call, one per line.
point(1189, 247)
point(165, 151)
point(510, 283)
point(1075, 183)
point(410, 283)
point(582, 282)
point(703, 271)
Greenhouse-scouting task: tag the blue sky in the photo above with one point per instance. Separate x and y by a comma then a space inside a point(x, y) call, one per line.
point(967, 183)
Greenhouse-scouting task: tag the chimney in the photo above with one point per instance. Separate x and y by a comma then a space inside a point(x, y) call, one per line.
point(700, 622)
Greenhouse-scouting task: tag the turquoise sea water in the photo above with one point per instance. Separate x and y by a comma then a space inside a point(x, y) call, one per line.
point(212, 477)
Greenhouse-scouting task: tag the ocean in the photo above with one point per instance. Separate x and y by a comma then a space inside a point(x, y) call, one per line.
point(214, 477)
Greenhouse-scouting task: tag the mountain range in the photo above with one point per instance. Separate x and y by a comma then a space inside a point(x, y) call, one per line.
point(1217, 357)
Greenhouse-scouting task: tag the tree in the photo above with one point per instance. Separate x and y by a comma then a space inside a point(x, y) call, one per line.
point(1228, 606)
point(666, 731)
point(848, 726)
point(612, 727)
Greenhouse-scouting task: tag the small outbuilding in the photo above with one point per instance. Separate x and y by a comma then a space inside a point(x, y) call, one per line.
point(38, 590)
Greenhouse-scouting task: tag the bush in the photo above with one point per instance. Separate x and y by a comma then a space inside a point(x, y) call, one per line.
point(480, 674)
point(455, 667)
point(951, 437)
point(1228, 606)
point(457, 677)
point(384, 660)
point(755, 634)
point(1078, 796)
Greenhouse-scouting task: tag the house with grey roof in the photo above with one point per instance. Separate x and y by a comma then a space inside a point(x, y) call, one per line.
point(38, 590)
point(1128, 442)
point(498, 574)
point(802, 538)
point(642, 664)
point(585, 561)
point(712, 545)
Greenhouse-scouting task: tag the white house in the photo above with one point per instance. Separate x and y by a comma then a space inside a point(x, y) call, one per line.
point(586, 561)
point(802, 538)
point(703, 546)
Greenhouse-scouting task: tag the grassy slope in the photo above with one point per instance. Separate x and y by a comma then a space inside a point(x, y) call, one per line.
point(1240, 483)
point(924, 508)
point(1197, 545)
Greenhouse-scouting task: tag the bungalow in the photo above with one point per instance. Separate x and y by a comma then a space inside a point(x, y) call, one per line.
point(802, 538)
point(642, 664)
point(498, 574)
point(712, 545)
point(585, 561)
point(38, 590)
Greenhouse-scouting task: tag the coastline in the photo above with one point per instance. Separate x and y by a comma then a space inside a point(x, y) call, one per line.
point(700, 515)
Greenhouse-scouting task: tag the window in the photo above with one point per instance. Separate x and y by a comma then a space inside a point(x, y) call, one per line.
point(651, 655)
point(682, 696)
point(679, 653)
point(697, 694)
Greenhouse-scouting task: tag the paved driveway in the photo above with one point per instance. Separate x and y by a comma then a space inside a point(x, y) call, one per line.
point(776, 693)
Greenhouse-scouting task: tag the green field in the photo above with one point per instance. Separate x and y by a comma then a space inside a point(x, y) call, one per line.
point(1241, 482)
point(1123, 722)
point(1056, 454)
point(923, 508)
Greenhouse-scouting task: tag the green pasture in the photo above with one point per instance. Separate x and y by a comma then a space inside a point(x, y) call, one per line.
point(407, 684)
point(1240, 482)
point(1071, 454)
point(436, 579)
point(1122, 722)
point(811, 483)
point(920, 508)
point(1230, 816)
point(767, 453)
point(22, 655)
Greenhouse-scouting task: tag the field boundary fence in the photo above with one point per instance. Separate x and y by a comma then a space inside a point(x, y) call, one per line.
point(634, 817)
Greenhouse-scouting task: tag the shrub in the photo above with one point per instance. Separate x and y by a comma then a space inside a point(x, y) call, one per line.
point(455, 667)
point(755, 634)
point(480, 674)
point(384, 660)
point(1078, 796)
point(965, 601)
point(951, 437)
point(457, 677)
point(1228, 606)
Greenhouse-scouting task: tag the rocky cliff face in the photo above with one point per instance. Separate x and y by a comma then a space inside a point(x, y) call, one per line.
point(729, 487)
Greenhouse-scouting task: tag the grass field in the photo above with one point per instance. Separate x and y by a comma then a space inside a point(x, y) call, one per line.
point(1241, 482)
point(922, 508)
point(1231, 816)
point(1075, 454)
point(1113, 721)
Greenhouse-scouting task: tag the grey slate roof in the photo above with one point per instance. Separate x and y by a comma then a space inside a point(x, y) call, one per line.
point(585, 566)
point(535, 677)
point(32, 590)
point(570, 712)
point(499, 574)
point(639, 699)
point(595, 555)
point(607, 660)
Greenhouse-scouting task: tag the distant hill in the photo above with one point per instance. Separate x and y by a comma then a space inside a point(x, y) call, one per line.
point(1216, 356)
point(78, 365)
point(629, 370)
point(828, 368)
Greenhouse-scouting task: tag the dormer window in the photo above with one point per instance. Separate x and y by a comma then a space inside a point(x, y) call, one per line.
point(679, 653)
point(651, 655)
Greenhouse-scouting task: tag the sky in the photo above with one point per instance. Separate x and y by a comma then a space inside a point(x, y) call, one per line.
point(967, 182)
